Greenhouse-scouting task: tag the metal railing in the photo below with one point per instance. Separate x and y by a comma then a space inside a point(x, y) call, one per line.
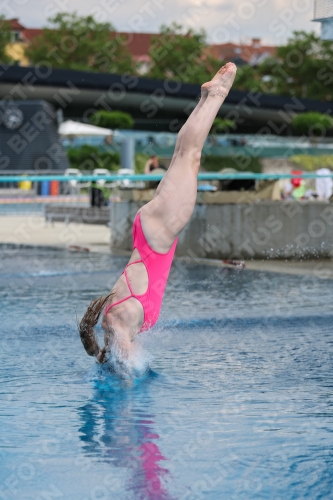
point(206, 176)
point(74, 192)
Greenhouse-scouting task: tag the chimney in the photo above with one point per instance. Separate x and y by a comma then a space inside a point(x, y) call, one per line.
point(256, 43)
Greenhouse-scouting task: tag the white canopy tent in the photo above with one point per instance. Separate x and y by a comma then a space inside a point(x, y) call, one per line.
point(77, 129)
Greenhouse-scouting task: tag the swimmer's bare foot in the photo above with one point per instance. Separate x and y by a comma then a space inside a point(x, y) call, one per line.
point(222, 82)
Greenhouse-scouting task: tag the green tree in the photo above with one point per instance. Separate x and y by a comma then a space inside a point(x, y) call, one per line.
point(112, 119)
point(247, 78)
point(180, 55)
point(212, 163)
point(90, 157)
point(222, 125)
point(81, 43)
point(312, 124)
point(301, 68)
point(140, 160)
point(5, 39)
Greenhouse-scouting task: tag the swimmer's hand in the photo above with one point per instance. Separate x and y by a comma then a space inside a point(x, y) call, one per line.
point(121, 361)
point(101, 356)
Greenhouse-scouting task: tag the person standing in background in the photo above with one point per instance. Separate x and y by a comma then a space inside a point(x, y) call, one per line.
point(324, 184)
point(153, 164)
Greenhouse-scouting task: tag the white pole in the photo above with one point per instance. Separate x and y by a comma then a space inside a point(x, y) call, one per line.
point(127, 153)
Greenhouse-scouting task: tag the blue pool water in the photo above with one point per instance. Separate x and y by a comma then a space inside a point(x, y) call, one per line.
point(238, 403)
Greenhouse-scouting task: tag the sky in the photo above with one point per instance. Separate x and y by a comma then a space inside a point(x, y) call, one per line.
point(224, 20)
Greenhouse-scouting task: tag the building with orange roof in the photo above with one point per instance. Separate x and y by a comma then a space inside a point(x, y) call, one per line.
point(139, 44)
point(16, 49)
point(253, 54)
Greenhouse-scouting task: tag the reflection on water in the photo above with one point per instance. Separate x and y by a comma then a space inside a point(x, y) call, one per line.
point(239, 404)
point(117, 430)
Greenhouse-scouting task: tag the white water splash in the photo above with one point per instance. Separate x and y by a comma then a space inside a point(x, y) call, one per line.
point(133, 366)
point(119, 371)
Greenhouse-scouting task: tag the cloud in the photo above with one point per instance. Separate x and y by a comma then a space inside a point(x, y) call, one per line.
point(271, 20)
point(220, 6)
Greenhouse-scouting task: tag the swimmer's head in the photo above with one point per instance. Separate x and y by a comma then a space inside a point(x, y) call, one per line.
point(88, 323)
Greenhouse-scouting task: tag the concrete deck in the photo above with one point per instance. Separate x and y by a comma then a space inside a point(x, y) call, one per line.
point(33, 231)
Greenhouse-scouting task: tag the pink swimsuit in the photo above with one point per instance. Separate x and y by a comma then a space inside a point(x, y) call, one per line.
point(158, 267)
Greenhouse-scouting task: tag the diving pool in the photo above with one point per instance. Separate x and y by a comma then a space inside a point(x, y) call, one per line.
point(238, 402)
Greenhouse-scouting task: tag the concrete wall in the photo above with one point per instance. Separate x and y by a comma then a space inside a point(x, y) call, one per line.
point(257, 230)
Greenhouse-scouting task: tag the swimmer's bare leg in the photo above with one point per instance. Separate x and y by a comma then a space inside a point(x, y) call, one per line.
point(204, 94)
point(167, 214)
point(181, 132)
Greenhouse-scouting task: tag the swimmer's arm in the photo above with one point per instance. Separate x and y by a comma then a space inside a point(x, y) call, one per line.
point(122, 343)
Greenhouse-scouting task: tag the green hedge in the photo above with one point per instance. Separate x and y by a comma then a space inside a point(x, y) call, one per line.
point(90, 157)
point(312, 123)
point(241, 163)
point(112, 119)
point(140, 162)
point(312, 163)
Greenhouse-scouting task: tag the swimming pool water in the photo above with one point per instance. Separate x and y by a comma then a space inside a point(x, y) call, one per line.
point(238, 403)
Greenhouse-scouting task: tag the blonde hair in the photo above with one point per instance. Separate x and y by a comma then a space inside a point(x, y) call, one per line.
point(88, 323)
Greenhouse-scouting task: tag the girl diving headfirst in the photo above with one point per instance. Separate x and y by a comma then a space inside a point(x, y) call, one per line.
point(135, 301)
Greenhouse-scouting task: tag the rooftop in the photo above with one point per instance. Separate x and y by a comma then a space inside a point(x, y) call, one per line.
point(252, 53)
point(139, 45)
